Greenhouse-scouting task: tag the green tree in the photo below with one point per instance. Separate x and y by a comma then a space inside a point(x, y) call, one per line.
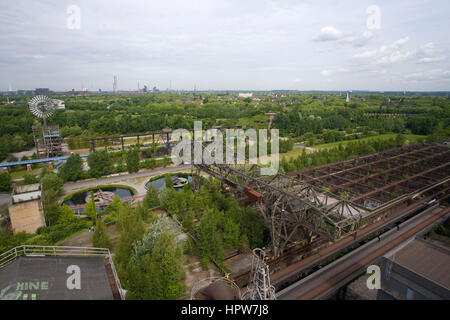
point(52, 210)
point(90, 209)
point(66, 215)
point(209, 240)
point(141, 210)
point(168, 181)
point(139, 281)
point(166, 268)
point(72, 169)
point(100, 164)
point(164, 194)
point(166, 161)
point(5, 182)
point(230, 233)
point(52, 181)
point(151, 199)
point(188, 222)
point(101, 238)
point(30, 179)
point(131, 229)
point(132, 160)
point(113, 208)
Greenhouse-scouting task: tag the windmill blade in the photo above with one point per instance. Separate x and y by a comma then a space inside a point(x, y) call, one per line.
point(42, 106)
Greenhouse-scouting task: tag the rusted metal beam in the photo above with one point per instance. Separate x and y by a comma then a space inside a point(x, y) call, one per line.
point(370, 163)
point(447, 152)
point(400, 182)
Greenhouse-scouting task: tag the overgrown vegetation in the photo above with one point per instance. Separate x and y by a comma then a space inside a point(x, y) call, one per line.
point(304, 117)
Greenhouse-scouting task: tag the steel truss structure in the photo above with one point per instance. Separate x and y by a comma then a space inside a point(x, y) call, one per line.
point(48, 141)
point(337, 199)
point(260, 287)
point(373, 180)
point(163, 136)
point(293, 210)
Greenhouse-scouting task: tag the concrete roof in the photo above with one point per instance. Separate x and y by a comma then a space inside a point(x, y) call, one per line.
point(26, 216)
point(18, 198)
point(26, 188)
point(45, 278)
point(426, 259)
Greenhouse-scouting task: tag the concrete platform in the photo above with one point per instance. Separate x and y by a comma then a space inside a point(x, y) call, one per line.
point(45, 278)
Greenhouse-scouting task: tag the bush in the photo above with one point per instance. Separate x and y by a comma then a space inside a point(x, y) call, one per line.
point(53, 182)
point(73, 168)
point(30, 179)
point(100, 238)
point(100, 164)
point(133, 160)
point(5, 182)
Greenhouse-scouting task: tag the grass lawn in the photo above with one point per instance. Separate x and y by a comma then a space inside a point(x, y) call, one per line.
point(411, 138)
point(294, 153)
point(22, 173)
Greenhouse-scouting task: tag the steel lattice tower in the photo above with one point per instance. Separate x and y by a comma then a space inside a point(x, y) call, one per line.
point(259, 286)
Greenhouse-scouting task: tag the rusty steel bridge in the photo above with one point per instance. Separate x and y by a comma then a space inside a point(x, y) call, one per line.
point(337, 199)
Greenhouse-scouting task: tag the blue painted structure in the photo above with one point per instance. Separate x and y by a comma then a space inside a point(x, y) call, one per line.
point(45, 160)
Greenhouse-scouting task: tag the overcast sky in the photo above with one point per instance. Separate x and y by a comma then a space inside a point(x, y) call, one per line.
point(228, 44)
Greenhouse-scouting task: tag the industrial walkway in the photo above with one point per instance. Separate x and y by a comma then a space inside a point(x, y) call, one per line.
point(324, 283)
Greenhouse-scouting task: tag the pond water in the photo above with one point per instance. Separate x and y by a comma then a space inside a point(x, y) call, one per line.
point(159, 183)
point(79, 198)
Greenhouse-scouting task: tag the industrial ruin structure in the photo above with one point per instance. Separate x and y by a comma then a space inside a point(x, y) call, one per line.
point(47, 139)
point(338, 199)
point(259, 286)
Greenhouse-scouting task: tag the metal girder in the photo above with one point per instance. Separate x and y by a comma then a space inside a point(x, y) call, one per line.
point(366, 164)
point(400, 182)
point(294, 209)
point(289, 206)
point(408, 164)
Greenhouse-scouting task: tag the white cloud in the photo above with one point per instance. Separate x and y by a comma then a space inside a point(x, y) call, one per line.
point(330, 72)
point(429, 75)
point(429, 53)
point(400, 42)
point(394, 57)
point(430, 60)
point(329, 33)
point(233, 44)
point(366, 54)
point(393, 53)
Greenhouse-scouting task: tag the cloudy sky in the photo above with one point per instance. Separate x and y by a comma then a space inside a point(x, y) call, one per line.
point(228, 44)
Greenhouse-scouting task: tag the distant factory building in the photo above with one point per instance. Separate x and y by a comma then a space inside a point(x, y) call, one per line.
point(349, 96)
point(245, 95)
point(59, 104)
point(115, 84)
point(42, 91)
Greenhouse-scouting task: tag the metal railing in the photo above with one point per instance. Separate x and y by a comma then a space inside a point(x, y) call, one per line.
point(60, 251)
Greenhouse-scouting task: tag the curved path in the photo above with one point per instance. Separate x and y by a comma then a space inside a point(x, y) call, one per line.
point(69, 187)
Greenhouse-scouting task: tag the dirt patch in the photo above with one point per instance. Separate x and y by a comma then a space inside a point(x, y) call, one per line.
point(195, 273)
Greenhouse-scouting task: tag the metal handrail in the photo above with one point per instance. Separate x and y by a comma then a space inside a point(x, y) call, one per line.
point(32, 250)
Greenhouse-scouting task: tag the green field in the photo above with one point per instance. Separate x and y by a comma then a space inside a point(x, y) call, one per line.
point(410, 138)
point(22, 173)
